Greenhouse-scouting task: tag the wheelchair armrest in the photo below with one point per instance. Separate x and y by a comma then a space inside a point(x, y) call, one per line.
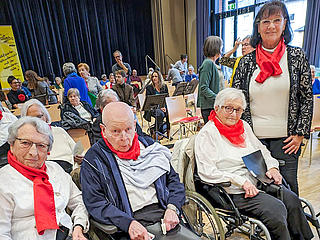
point(281, 162)
point(109, 229)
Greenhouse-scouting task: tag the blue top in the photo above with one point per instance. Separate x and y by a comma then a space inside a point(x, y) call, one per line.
point(188, 77)
point(26, 90)
point(316, 87)
point(102, 83)
point(74, 81)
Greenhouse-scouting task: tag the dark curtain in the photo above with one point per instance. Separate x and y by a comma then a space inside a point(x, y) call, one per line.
point(311, 41)
point(203, 23)
point(49, 33)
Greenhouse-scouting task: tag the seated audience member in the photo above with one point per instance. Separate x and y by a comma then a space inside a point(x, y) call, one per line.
point(151, 70)
point(135, 77)
point(136, 82)
point(112, 81)
point(182, 65)
point(120, 65)
point(219, 148)
point(103, 80)
point(174, 76)
point(315, 81)
point(156, 87)
point(129, 183)
point(123, 90)
point(81, 112)
point(25, 89)
point(40, 87)
point(93, 83)
point(191, 75)
point(34, 193)
point(6, 119)
point(72, 80)
point(16, 95)
point(63, 145)
point(58, 83)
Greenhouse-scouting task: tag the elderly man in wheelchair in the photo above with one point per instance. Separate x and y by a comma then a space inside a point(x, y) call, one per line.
point(130, 183)
point(220, 150)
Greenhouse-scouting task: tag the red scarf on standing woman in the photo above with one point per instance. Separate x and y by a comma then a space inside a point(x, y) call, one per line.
point(235, 133)
point(269, 62)
point(44, 207)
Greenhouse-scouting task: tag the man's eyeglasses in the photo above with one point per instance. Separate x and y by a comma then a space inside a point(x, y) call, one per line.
point(267, 22)
point(26, 144)
point(230, 110)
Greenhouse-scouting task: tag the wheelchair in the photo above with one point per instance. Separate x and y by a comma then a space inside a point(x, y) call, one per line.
point(220, 202)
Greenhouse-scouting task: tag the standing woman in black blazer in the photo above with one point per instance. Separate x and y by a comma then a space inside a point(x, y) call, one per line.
point(156, 87)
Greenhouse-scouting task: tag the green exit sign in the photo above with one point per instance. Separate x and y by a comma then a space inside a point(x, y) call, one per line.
point(231, 6)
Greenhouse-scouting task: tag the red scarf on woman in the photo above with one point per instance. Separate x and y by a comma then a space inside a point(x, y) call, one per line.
point(269, 62)
point(234, 133)
point(44, 207)
point(132, 154)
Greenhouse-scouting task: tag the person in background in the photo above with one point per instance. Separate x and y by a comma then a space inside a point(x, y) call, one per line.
point(112, 81)
point(174, 76)
point(16, 95)
point(58, 83)
point(123, 90)
point(191, 75)
point(63, 145)
point(315, 81)
point(276, 80)
point(103, 80)
point(151, 70)
point(182, 65)
point(35, 193)
point(93, 83)
point(135, 77)
point(210, 81)
point(39, 86)
point(120, 65)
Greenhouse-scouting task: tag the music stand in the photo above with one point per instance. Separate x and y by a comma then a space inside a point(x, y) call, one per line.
point(180, 89)
point(191, 87)
point(152, 103)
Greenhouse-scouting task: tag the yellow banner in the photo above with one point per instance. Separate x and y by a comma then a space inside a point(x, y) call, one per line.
point(9, 58)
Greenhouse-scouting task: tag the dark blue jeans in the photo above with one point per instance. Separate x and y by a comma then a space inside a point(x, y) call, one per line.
point(290, 170)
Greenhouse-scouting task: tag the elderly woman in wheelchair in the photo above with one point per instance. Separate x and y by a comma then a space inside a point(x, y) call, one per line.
point(220, 148)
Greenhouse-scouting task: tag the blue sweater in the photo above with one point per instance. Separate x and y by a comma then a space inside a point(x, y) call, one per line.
point(104, 192)
point(74, 81)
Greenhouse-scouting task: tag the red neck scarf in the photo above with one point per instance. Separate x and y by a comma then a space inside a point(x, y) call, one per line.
point(235, 133)
point(44, 207)
point(132, 154)
point(1, 115)
point(269, 62)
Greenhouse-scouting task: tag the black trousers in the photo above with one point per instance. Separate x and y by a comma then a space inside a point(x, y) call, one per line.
point(205, 114)
point(290, 170)
point(284, 220)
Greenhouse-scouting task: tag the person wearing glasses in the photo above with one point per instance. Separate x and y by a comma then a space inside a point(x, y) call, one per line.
point(276, 80)
point(120, 65)
point(16, 95)
point(219, 148)
point(34, 193)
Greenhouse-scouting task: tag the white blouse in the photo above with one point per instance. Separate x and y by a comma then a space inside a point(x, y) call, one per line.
point(17, 220)
point(218, 160)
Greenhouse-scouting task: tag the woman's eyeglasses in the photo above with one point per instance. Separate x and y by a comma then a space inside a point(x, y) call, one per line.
point(230, 110)
point(26, 144)
point(267, 22)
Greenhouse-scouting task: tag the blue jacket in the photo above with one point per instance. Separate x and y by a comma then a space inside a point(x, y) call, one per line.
point(104, 192)
point(75, 81)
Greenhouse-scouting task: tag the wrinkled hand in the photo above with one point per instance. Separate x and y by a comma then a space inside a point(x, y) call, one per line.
point(250, 189)
point(293, 145)
point(77, 234)
point(237, 44)
point(78, 159)
point(163, 109)
point(274, 174)
point(137, 231)
point(171, 219)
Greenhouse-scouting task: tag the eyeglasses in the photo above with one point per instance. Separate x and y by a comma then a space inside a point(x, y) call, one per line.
point(267, 22)
point(230, 110)
point(26, 144)
point(117, 56)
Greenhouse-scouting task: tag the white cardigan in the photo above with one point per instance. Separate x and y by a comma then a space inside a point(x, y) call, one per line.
point(220, 161)
point(17, 220)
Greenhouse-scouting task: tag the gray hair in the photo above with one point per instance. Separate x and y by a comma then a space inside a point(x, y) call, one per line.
point(68, 68)
point(41, 126)
point(312, 67)
point(73, 90)
point(190, 66)
point(104, 98)
point(29, 103)
point(212, 46)
point(247, 37)
point(230, 94)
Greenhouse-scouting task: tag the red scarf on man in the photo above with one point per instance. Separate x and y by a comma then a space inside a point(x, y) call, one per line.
point(132, 154)
point(269, 62)
point(44, 207)
point(235, 133)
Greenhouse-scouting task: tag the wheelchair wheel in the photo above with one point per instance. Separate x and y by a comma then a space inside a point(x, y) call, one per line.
point(202, 218)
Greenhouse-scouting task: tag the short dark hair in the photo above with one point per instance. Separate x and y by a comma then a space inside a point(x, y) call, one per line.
point(268, 9)
point(121, 72)
point(10, 79)
point(183, 56)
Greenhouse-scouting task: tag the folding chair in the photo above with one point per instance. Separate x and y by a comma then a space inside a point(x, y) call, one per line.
point(80, 134)
point(178, 115)
point(54, 112)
